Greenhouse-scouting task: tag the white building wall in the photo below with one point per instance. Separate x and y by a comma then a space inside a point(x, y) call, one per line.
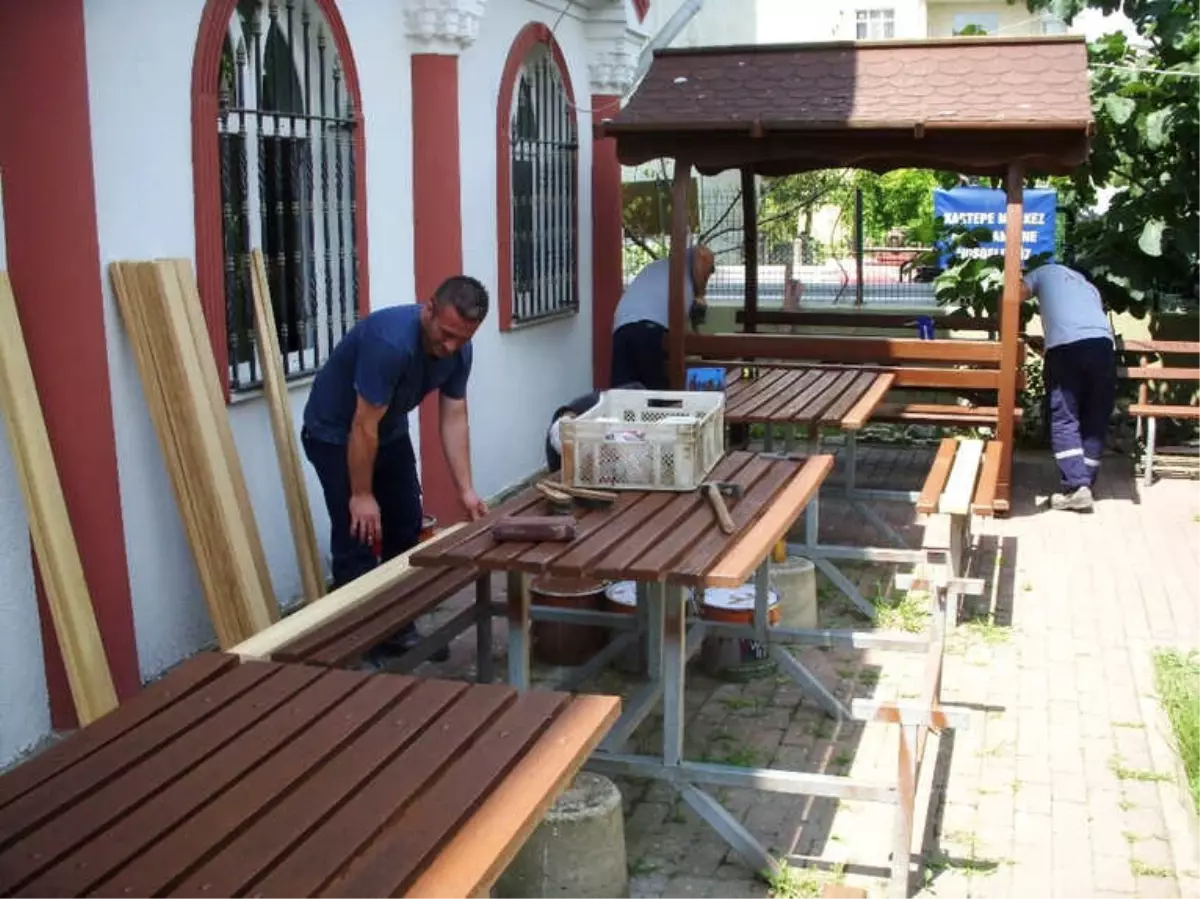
point(141, 135)
point(24, 700)
point(518, 377)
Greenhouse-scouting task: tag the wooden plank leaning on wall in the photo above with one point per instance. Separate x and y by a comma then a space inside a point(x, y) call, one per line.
point(295, 493)
point(1010, 326)
point(71, 609)
point(160, 309)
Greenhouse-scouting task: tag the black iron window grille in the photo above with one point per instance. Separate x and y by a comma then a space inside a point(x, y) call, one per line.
point(286, 127)
point(544, 155)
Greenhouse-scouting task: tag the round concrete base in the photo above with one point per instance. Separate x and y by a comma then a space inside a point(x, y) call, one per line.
point(577, 850)
point(796, 583)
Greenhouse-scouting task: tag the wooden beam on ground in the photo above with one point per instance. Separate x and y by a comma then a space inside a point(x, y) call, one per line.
point(939, 472)
point(338, 602)
point(960, 488)
point(984, 503)
point(1010, 326)
point(835, 348)
point(71, 611)
point(295, 492)
point(677, 318)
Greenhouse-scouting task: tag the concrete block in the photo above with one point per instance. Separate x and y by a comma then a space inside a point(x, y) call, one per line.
point(796, 583)
point(578, 850)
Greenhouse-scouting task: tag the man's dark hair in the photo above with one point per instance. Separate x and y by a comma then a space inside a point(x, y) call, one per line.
point(468, 297)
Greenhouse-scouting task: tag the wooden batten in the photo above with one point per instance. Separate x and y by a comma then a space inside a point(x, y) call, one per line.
point(295, 491)
point(750, 248)
point(677, 314)
point(161, 312)
point(71, 610)
point(1010, 323)
point(833, 348)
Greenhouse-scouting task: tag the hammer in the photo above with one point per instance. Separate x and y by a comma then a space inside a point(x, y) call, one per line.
point(716, 491)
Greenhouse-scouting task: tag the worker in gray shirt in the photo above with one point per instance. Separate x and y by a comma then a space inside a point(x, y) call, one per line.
point(642, 318)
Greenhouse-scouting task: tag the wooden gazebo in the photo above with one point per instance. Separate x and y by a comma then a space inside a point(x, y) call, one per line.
point(1000, 107)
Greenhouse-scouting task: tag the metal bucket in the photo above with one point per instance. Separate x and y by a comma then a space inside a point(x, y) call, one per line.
point(736, 658)
point(560, 643)
point(621, 598)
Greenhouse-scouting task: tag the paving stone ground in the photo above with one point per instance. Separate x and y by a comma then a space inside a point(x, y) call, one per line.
point(1063, 785)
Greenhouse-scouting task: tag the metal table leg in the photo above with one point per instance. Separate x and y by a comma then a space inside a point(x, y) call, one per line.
point(518, 630)
point(484, 672)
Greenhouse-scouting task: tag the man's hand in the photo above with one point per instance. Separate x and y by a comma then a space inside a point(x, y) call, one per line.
point(365, 524)
point(475, 506)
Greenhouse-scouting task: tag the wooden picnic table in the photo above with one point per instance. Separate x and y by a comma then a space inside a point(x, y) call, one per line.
point(841, 397)
point(227, 779)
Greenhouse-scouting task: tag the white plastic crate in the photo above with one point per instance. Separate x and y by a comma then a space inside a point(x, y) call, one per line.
point(645, 440)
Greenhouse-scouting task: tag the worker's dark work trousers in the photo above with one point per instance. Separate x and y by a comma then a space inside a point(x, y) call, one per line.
point(396, 489)
point(639, 354)
point(1081, 381)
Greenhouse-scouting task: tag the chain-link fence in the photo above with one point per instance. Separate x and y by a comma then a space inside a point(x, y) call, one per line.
point(807, 257)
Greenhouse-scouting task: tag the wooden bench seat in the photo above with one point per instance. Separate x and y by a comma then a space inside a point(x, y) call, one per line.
point(347, 637)
point(962, 479)
point(1144, 373)
point(1150, 410)
point(940, 413)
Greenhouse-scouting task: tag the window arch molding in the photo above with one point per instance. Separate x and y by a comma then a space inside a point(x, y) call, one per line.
point(214, 32)
point(534, 37)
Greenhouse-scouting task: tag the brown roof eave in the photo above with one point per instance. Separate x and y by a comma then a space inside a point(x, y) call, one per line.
point(757, 129)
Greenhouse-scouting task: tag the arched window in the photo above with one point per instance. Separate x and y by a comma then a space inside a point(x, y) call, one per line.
point(538, 180)
point(289, 153)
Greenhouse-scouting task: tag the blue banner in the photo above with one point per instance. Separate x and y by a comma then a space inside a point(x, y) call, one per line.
point(982, 207)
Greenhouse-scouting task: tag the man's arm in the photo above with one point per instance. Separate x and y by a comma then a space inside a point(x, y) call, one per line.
point(363, 444)
point(456, 442)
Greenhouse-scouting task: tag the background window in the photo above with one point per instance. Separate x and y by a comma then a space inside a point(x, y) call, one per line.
point(874, 24)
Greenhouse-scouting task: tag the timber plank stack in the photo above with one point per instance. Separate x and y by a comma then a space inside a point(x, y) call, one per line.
point(160, 306)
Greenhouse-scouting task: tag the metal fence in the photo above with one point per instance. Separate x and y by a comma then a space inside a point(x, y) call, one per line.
point(794, 270)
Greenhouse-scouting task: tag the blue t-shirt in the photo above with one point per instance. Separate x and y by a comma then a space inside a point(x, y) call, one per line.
point(381, 358)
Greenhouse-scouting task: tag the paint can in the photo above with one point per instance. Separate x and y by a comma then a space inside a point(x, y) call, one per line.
point(429, 527)
point(558, 642)
point(736, 658)
point(621, 599)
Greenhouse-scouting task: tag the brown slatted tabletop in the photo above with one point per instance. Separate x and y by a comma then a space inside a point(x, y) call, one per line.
point(820, 395)
point(653, 535)
point(228, 779)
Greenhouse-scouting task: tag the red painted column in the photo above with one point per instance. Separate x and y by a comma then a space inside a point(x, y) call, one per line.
point(607, 240)
point(437, 240)
point(54, 264)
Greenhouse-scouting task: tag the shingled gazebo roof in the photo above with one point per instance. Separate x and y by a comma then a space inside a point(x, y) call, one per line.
point(969, 104)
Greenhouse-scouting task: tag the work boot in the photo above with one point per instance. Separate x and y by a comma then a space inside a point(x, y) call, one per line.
point(1079, 500)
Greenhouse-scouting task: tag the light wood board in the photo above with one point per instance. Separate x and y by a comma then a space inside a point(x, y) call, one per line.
point(71, 609)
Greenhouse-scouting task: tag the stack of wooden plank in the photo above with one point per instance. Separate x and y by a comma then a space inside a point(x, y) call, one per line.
point(160, 306)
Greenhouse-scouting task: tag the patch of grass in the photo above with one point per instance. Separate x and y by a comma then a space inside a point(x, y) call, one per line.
point(986, 631)
point(1177, 680)
point(1141, 869)
point(734, 703)
point(739, 756)
point(897, 611)
point(843, 760)
point(1118, 768)
point(793, 883)
point(869, 676)
point(644, 865)
point(1004, 746)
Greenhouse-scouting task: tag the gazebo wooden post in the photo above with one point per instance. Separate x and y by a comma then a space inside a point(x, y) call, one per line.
point(750, 249)
point(1010, 323)
point(677, 314)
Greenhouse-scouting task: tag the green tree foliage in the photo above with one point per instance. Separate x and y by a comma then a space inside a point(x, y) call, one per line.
point(1146, 102)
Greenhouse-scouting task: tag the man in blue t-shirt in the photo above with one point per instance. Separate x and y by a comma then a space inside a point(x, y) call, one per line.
point(355, 430)
point(1080, 374)
point(642, 318)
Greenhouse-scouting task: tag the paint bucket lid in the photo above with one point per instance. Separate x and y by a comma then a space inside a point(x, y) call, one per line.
point(737, 599)
point(622, 592)
point(549, 585)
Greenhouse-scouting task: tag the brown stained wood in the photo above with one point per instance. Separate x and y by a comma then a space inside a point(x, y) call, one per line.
point(703, 551)
point(862, 411)
point(940, 413)
point(1010, 324)
point(765, 393)
point(866, 319)
point(939, 473)
point(1151, 410)
point(253, 852)
point(450, 547)
point(669, 552)
point(72, 614)
point(163, 865)
point(481, 850)
point(829, 348)
point(811, 393)
point(652, 530)
point(1169, 347)
point(815, 410)
point(88, 865)
point(780, 411)
point(912, 377)
point(848, 400)
point(773, 411)
point(90, 815)
point(188, 677)
point(426, 824)
point(57, 795)
point(985, 490)
point(535, 559)
point(750, 391)
point(318, 858)
point(366, 634)
point(1151, 373)
point(676, 275)
point(580, 556)
point(423, 589)
point(755, 544)
point(534, 528)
